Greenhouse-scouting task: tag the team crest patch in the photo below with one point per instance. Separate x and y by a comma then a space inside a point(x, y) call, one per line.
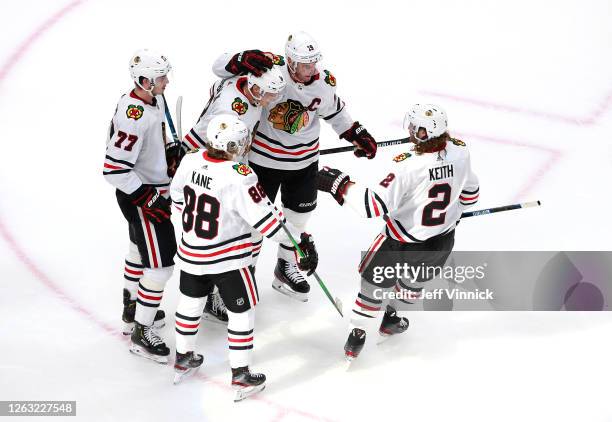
point(239, 106)
point(290, 116)
point(278, 60)
point(402, 157)
point(458, 142)
point(329, 78)
point(134, 112)
point(242, 169)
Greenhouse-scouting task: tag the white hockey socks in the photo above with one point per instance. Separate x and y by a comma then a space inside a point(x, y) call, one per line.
point(366, 306)
point(150, 293)
point(188, 314)
point(407, 294)
point(240, 337)
point(132, 272)
point(287, 251)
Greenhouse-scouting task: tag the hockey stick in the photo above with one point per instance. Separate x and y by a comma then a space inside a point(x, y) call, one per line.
point(179, 106)
point(352, 148)
point(170, 122)
point(336, 302)
point(500, 209)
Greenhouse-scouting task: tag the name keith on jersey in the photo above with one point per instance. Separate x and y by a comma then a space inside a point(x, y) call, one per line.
point(201, 180)
point(443, 172)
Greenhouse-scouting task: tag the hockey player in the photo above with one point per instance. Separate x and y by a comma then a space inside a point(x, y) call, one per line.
point(420, 200)
point(285, 150)
point(244, 96)
point(139, 163)
point(222, 202)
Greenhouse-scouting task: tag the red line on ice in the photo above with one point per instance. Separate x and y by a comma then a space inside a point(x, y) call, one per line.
point(553, 158)
point(591, 118)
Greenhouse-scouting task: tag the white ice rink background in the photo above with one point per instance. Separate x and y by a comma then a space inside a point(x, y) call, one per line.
point(526, 85)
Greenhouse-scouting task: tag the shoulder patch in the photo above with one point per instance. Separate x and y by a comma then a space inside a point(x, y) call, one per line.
point(134, 112)
point(458, 142)
point(278, 59)
point(242, 169)
point(402, 157)
point(329, 78)
point(239, 106)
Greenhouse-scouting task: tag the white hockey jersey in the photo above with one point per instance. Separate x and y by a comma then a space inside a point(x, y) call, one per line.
point(423, 195)
point(288, 134)
point(136, 145)
point(226, 97)
point(221, 202)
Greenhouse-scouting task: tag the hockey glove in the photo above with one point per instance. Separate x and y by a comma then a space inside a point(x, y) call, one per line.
point(359, 136)
point(333, 181)
point(174, 155)
point(249, 61)
point(311, 257)
point(154, 206)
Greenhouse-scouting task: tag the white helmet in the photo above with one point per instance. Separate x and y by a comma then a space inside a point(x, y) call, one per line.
point(429, 117)
point(271, 81)
point(302, 48)
point(148, 64)
point(228, 133)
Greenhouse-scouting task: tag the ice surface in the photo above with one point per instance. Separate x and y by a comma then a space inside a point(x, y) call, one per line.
point(526, 84)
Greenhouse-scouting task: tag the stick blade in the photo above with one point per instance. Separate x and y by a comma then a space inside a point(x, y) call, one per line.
point(531, 204)
point(179, 106)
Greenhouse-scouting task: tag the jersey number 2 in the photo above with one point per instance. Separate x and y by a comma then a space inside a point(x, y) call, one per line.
point(437, 205)
point(195, 214)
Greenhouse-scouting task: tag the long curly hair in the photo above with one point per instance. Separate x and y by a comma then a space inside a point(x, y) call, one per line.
point(432, 145)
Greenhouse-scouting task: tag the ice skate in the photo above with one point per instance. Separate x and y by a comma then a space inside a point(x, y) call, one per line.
point(354, 344)
point(289, 281)
point(391, 324)
point(186, 364)
point(129, 312)
point(215, 310)
point(146, 343)
point(245, 383)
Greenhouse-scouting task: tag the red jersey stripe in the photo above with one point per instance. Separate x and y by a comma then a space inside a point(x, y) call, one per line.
point(222, 251)
point(280, 151)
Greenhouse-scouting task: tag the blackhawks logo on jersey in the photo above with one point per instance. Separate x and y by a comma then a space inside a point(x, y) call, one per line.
point(290, 116)
point(242, 169)
point(239, 106)
point(278, 60)
point(329, 78)
point(458, 142)
point(134, 112)
point(402, 157)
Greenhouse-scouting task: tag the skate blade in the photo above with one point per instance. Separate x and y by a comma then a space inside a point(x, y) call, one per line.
point(128, 327)
point(243, 393)
point(181, 375)
point(212, 318)
point(279, 286)
point(139, 351)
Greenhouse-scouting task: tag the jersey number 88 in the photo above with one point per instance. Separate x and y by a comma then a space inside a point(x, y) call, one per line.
point(195, 214)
